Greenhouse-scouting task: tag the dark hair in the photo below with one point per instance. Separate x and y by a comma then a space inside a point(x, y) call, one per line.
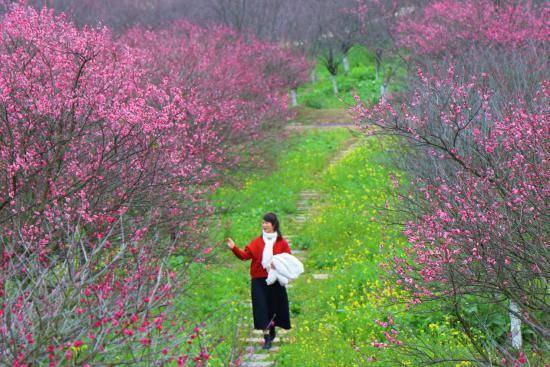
point(272, 218)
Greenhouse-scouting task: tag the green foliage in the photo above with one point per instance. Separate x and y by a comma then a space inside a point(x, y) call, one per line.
point(361, 79)
point(362, 72)
point(303, 241)
point(313, 101)
point(359, 55)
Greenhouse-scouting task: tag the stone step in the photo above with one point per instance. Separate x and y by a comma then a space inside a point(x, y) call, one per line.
point(258, 364)
point(309, 192)
point(279, 331)
point(305, 200)
point(311, 197)
point(258, 350)
point(320, 276)
point(258, 357)
point(341, 154)
point(261, 340)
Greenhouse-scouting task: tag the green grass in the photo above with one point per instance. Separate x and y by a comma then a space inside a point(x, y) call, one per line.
point(335, 318)
point(217, 287)
point(343, 240)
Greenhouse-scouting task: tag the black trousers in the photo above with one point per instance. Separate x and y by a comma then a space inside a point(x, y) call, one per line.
point(269, 302)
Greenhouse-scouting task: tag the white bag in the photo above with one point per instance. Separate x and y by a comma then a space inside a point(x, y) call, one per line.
point(287, 269)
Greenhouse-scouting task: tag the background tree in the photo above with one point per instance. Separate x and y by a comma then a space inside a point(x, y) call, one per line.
point(378, 21)
point(473, 120)
point(110, 148)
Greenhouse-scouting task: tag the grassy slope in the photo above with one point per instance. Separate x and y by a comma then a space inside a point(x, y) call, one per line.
point(361, 79)
point(343, 238)
point(349, 237)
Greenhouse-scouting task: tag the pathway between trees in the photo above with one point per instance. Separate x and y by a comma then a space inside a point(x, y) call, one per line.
point(256, 356)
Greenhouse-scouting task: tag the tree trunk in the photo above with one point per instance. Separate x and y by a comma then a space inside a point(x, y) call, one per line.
point(383, 90)
point(378, 59)
point(345, 63)
point(515, 326)
point(293, 97)
point(334, 85)
point(313, 76)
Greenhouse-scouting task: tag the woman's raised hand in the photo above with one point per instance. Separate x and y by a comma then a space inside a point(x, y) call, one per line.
point(230, 243)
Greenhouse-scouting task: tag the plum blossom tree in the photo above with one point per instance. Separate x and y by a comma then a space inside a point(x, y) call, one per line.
point(378, 20)
point(109, 148)
point(477, 130)
point(480, 229)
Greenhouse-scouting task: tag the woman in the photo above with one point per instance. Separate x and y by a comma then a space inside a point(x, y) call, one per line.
point(269, 302)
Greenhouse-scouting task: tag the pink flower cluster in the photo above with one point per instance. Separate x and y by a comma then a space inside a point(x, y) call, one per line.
point(454, 25)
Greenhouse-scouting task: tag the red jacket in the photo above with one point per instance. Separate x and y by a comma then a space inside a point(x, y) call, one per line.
point(254, 251)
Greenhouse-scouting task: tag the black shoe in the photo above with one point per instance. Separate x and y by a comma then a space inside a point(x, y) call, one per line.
point(272, 333)
point(267, 342)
